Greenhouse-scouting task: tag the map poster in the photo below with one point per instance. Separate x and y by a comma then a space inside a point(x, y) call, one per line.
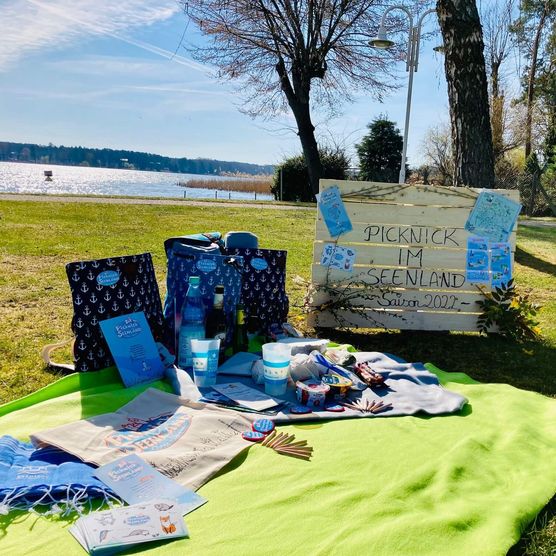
point(493, 216)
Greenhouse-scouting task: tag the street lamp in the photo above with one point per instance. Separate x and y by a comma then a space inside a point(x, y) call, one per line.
point(411, 63)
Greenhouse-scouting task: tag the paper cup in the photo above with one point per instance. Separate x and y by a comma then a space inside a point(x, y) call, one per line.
point(276, 361)
point(204, 357)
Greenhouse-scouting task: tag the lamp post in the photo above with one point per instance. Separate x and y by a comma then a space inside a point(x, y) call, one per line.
point(411, 64)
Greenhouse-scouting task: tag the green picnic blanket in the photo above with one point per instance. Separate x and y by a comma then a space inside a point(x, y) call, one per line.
point(456, 484)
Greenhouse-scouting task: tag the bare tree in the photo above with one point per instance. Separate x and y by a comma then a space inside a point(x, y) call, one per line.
point(437, 147)
point(464, 65)
point(294, 53)
point(496, 18)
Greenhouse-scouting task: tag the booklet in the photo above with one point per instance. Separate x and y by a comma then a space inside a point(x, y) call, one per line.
point(135, 481)
point(246, 396)
point(133, 348)
point(112, 531)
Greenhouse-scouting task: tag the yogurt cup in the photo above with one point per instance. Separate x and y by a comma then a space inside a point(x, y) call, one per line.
point(311, 393)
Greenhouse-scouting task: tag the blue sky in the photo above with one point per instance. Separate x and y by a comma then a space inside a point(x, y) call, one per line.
point(96, 73)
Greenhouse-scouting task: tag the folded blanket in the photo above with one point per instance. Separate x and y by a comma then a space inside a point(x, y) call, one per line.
point(32, 478)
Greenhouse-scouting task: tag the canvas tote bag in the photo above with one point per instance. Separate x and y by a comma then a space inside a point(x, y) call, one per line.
point(186, 441)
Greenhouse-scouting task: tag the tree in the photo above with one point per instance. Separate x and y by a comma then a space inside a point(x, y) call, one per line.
point(380, 152)
point(438, 152)
point(497, 19)
point(291, 178)
point(292, 52)
point(464, 65)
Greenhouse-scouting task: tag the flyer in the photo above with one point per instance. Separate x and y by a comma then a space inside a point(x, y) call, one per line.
point(334, 211)
point(500, 263)
point(133, 348)
point(477, 260)
point(335, 256)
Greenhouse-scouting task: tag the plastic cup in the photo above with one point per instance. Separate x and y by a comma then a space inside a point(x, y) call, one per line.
point(276, 361)
point(204, 356)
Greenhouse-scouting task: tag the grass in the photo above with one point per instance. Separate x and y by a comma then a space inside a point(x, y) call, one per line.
point(38, 239)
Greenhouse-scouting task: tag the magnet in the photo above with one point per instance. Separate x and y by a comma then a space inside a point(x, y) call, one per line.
point(253, 436)
point(263, 426)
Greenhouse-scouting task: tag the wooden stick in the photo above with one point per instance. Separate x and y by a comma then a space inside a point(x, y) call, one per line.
point(276, 439)
point(269, 438)
point(298, 456)
point(285, 441)
point(299, 452)
point(382, 408)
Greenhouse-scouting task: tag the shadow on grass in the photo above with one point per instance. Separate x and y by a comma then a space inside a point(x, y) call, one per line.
point(486, 359)
point(527, 259)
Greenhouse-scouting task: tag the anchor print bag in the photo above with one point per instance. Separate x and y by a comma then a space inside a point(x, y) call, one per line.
point(200, 255)
point(264, 284)
point(107, 288)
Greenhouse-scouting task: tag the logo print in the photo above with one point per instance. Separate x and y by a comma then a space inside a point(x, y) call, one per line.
point(108, 277)
point(259, 264)
point(206, 265)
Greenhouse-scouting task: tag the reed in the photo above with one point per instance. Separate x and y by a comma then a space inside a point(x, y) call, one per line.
point(254, 185)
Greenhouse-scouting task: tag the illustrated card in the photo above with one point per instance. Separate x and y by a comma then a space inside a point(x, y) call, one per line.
point(477, 260)
point(111, 531)
point(334, 211)
point(493, 216)
point(246, 396)
point(335, 256)
point(500, 263)
point(136, 481)
point(133, 348)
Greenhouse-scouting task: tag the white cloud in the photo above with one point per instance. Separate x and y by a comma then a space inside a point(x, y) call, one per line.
point(28, 26)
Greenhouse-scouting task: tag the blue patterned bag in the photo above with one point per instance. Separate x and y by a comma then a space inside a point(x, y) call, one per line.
point(106, 288)
point(264, 284)
point(200, 255)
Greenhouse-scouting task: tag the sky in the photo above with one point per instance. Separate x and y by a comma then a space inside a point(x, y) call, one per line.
point(107, 73)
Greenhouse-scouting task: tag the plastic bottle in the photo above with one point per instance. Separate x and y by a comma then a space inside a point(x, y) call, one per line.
point(192, 322)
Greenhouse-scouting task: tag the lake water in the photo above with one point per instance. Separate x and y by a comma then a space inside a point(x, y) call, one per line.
point(18, 177)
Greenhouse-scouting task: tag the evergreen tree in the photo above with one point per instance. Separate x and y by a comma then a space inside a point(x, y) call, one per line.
point(380, 152)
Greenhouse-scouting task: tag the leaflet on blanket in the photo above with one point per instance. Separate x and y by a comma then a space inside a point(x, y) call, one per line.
point(334, 211)
point(114, 530)
point(135, 481)
point(133, 348)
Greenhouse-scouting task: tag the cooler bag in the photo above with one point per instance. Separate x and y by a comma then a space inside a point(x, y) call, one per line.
point(200, 255)
point(106, 288)
point(264, 284)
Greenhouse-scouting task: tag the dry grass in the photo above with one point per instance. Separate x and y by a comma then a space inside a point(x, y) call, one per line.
point(246, 185)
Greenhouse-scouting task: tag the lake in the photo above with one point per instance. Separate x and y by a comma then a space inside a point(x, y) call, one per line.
point(20, 177)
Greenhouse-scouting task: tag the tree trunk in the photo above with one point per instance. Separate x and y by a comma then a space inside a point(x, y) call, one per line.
point(464, 65)
point(298, 99)
point(531, 85)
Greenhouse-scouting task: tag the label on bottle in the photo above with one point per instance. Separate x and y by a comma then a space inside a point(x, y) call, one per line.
point(240, 317)
point(187, 333)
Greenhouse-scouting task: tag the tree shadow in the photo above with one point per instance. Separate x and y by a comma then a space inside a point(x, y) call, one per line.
point(484, 358)
point(527, 259)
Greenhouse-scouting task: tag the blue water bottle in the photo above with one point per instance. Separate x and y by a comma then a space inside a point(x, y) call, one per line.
point(192, 322)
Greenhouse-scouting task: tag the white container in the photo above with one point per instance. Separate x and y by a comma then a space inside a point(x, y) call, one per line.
point(204, 356)
point(276, 361)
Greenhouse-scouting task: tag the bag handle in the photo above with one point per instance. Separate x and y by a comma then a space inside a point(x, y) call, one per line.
point(49, 348)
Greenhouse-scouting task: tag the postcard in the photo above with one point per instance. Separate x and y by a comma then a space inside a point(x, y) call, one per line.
point(114, 530)
point(135, 481)
point(335, 256)
point(133, 348)
point(334, 211)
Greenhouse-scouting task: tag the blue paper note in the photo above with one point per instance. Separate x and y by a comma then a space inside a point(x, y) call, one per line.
point(135, 481)
point(500, 263)
point(493, 216)
point(334, 212)
point(477, 261)
point(335, 256)
point(133, 348)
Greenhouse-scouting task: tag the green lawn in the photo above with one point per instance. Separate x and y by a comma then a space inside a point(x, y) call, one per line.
point(38, 239)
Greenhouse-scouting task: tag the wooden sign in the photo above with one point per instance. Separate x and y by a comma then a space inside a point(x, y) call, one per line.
point(410, 264)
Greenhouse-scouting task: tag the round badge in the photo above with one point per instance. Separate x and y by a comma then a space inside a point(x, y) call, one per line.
point(263, 425)
point(300, 410)
point(336, 408)
point(253, 436)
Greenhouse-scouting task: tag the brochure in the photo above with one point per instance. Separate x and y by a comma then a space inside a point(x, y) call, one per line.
point(334, 212)
point(135, 481)
point(112, 531)
point(246, 396)
point(477, 261)
point(133, 348)
point(500, 263)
